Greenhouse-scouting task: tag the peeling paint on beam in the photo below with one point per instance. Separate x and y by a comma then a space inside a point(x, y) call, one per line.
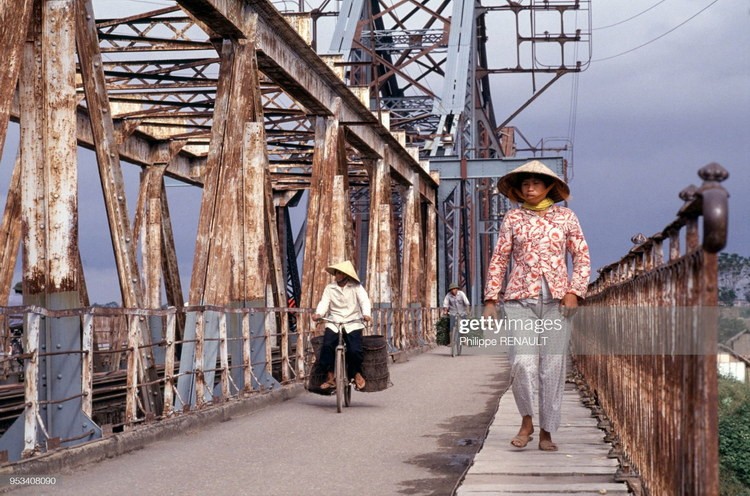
point(138, 149)
point(285, 57)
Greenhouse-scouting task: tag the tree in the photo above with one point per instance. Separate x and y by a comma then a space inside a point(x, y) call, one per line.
point(734, 437)
point(727, 296)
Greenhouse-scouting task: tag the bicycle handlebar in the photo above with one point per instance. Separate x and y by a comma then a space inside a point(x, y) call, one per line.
point(324, 319)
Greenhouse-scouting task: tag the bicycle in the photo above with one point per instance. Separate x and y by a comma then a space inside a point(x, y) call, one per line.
point(456, 345)
point(343, 394)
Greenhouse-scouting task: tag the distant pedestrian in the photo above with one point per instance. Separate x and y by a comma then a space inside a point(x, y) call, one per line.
point(536, 239)
point(456, 306)
point(455, 301)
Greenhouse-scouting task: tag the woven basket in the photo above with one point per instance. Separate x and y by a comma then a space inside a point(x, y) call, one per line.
point(316, 377)
point(375, 364)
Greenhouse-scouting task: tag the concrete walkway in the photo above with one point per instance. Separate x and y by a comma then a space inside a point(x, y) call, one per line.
point(415, 438)
point(580, 467)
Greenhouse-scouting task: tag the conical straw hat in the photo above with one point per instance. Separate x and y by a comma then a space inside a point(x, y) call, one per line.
point(346, 267)
point(509, 185)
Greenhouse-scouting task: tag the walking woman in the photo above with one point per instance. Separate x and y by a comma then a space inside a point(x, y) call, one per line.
point(534, 241)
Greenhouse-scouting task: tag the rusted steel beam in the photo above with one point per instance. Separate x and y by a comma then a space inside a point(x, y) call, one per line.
point(276, 272)
point(214, 243)
point(286, 58)
point(59, 139)
point(107, 156)
point(430, 271)
point(307, 298)
point(247, 365)
point(10, 232)
point(170, 267)
point(31, 383)
point(224, 358)
point(339, 225)
point(198, 365)
point(113, 187)
point(385, 254)
point(254, 247)
point(87, 364)
point(14, 22)
point(133, 376)
point(169, 383)
point(147, 230)
point(319, 212)
point(379, 283)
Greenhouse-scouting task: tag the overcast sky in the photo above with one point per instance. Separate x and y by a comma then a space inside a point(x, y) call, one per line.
point(645, 122)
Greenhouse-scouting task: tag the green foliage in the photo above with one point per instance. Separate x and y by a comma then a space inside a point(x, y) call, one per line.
point(442, 331)
point(734, 437)
point(727, 296)
point(731, 263)
point(730, 327)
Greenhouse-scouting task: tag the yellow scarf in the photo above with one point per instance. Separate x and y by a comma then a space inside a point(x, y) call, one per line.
point(542, 205)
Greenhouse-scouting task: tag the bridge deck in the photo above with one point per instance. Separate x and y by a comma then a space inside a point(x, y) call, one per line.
point(579, 467)
point(417, 437)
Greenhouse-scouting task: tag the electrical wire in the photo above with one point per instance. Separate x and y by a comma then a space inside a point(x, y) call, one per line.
point(660, 36)
point(630, 18)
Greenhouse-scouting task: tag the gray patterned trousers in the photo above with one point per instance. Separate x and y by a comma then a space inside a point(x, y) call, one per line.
point(538, 358)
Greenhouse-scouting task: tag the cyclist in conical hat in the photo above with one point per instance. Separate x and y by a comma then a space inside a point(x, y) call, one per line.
point(343, 300)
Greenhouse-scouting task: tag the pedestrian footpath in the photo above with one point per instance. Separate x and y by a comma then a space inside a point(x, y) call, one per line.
point(580, 467)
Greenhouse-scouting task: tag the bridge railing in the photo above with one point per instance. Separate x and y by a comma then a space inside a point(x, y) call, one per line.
point(232, 352)
point(645, 344)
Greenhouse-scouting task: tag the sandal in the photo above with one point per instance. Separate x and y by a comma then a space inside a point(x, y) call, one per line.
point(520, 441)
point(547, 445)
point(359, 382)
point(328, 385)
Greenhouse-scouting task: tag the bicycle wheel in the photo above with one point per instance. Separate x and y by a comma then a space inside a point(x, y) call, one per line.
point(348, 394)
point(340, 378)
point(454, 342)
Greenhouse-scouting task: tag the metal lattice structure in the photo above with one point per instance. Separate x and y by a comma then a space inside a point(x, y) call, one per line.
point(237, 98)
point(426, 69)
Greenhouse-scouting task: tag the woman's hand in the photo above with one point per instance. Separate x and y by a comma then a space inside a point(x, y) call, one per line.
point(367, 319)
point(315, 317)
point(569, 305)
point(490, 309)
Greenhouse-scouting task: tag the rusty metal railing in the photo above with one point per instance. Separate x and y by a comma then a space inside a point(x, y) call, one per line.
point(230, 360)
point(660, 396)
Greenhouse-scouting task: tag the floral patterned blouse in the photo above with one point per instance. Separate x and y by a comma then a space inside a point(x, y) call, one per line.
point(537, 245)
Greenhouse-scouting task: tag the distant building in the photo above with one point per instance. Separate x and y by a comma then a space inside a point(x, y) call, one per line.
point(740, 343)
point(733, 365)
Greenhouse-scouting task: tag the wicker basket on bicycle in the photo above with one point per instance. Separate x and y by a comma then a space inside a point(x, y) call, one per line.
point(374, 366)
point(316, 376)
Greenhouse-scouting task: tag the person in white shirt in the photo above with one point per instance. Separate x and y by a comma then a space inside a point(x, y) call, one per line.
point(342, 301)
point(455, 302)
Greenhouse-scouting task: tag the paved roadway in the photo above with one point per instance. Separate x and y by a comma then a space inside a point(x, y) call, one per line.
point(417, 437)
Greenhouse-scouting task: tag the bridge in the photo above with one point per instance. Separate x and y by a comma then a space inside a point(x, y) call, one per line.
point(310, 135)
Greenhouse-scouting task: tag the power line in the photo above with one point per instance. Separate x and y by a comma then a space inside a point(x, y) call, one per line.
point(630, 18)
point(660, 36)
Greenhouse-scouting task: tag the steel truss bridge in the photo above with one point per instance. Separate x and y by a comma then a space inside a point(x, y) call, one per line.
point(314, 132)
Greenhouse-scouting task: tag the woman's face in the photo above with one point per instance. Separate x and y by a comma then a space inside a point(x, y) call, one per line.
point(533, 190)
